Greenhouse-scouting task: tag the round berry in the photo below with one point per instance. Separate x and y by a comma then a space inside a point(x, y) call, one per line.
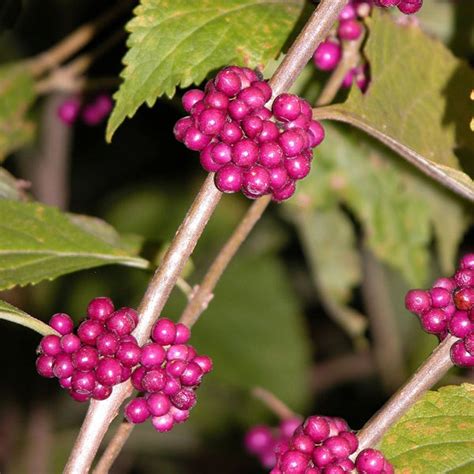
point(207, 161)
point(70, 343)
point(349, 30)
point(185, 399)
point(50, 345)
point(66, 382)
point(464, 299)
point(107, 343)
point(86, 358)
point(252, 125)
point(434, 321)
point(137, 411)
point(291, 142)
point(83, 382)
point(137, 378)
point(245, 152)
point(417, 301)
point(294, 462)
point(158, 404)
point(231, 133)
point(192, 375)
point(315, 133)
point(440, 297)
point(229, 179)
point(44, 366)
point(286, 107)
point(302, 443)
point(195, 140)
point(122, 322)
point(338, 446)
point(69, 110)
point(228, 82)
point(63, 367)
point(327, 56)
point(177, 352)
point(408, 8)
point(370, 461)
point(204, 362)
point(163, 423)
point(351, 439)
point(270, 154)
point(262, 113)
point(183, 334)
point(62, 323)
point(460, 325)
point(461, 356)
point(467, 261)
point(152, 355)
point(100, 308)
point(322, 456)
point(446, 283)
point(164, 332)
point(181, 127)
point(253, 97)
point(101, 392)
point(79, 397)
point(179, 416)
point(191, 97)
point(348, 12)
point(258, 439)
point(152, 380)
point(298, 167)
point(221, 153)
point(128, 354)
point(264, 88)
point(284, 193)
point(172, 386)
point(175, 367)
point(89, 331)
point(217, 100)
point(278, 177)
point(464, 278)
point(109, 371)
point(269, 133)
point(238, 109)
point(211, 121)
point(317, 428)
point(256, 180)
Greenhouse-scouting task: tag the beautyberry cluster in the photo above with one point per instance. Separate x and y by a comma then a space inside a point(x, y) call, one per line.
point(92, 113)
point(250, 148)
point(169, 372)
point(407, 7)
point(263, 441)
point(448, 307)
point(98, 356)
point(323, 445)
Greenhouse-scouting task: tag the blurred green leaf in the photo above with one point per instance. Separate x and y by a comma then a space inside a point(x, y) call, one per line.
point(436, 435)
point(398, 207)
point(10, 188)
point(255, 335)
point(17, 93)
point(38, 242)
point(15, 315)
point(417, 102)
point(178, 43)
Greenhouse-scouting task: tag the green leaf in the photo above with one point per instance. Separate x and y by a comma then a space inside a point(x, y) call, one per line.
point(17, 93)
point(15, 315)
point(10, 188)
point(177, 43)
point(398, 207)
point(436, 435)
point(254, 332)
point(417, 102)
point(38, 242)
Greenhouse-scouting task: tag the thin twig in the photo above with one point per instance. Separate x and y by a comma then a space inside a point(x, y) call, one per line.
point(432, 371)
point(101, 413)
point(275, 405)
point(350, 59)
point(299, 54)
point(70, 45)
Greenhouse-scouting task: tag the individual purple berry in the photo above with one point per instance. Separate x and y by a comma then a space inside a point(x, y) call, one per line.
point(86, 358)
point(217, 100)
point(252, 125)
point(151, 381)
point(460, 325)
point(197, 110)
point(269, 133)
point(204, 362)
point(183, 334)
point(238, 109)
point(137, 378)
point(270, 154)
point(65, 382)
point(256, 180)
point(107, 343)
point(221, 153)
point(83, 382)
point(322, 456)
point(300, 122)
point(109, 371)
point(315, 133)
point(231, 133)
point(89, 331)
point(288, 426)
point(317, 428)
point(128, 354)
point(192, 375)
point(347, 465)
point(50, 345)
point(337, 425)
point(228, 82)
point(464, 278)
point(408, 8)
point(446, 283)
point(294, 462)
point(191, 97)
point(467, 262)
point(228, 179)
point(125, 373)
point(179, 416)
point(297, 167)
point(91, 115)
point(258, 439)
point(253, 97)
point(195, 140)
point(291, 142)
point(44, 366)
point(185, 399)
point(417, 301)
point(121, 322)
point(163, 423)
point(284, 193)
point(351, 439)
point(100, 308)
point(164, 332)
point(63, 367)
point(348, 12)
point(245, 152)
point(211, 121)
point(69, 110)
point(263, 113)
point(137, 411)
point(327, 55)
point(181, 127)
point(207, 161)
point(152, 355)
point(338, 446)
point(302, 443)
point(464, 299)
point(264, 88)
point(62, 323)
point(101, 392)
point(461, 356)
point(286, 107)
point(177, 352)
point(70, 343)
point(175, 368)
point(349, 30)
point(434, 321)
point(440, 297)
point(370, 461)
point(158, 404)
point(172, 386)
point(278, 177)
point(79, 397)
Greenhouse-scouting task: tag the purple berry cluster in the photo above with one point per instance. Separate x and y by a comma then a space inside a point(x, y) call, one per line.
point(92, 113)
point(250, 148)
point(448, 307)
point(98, 356)
point(263, 441)
point(323, 445)
point(408, 7)
point(169, 372)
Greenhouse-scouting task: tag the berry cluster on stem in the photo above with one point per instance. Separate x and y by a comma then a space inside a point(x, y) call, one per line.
point(92, 113)
point(250, 148)
point(448, 308)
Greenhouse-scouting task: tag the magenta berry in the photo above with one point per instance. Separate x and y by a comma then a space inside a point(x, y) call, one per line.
point(86, 358)
point(61, 323)
point(418, 301)
point(278, 177)
point(291, 142)
point(137, 410)
point(44, 366)
point(172, 386)
point(460, 325)
point(79, 397)
point(121, 322)
point(264, 88)
point(89, 331)
point(204, 362)
point(185, 399)
point(349, 30)
point(245, 153)
point(467, 262)
point(269, 133)
point(464, 298)
point(183, 334)
point(192, 375)
point(461, 356)
point(101, 392)
point(297, 167)
point(207, 161)
point(289, 425)
point(128, 354)
point(229, 178)
point(68, 111)
point(322, 456)
point(181, 127)
point(152, 355)
point(253, 97)
point(221, 153)
point(50, 345)
point(216, 100)
point(83, 382)
point(107, 344)
point(271, 154)
point(228, 82)
point(338, 446)
point(294, 462)
point(151, 381)
point(109, 371)
point(137, 378)
point(284, 193)
point(163, 423)
point(351, 440)
point(63, 366)
point(252, 125)
point(195, 140)
point(286, 107)
point(190, 98)
point(179, 416)
point(434, 321)
point(158, 404)
point(370, 461)
point(259, 439)
point(440, 297)
point(302, 443)
point(327, 55)
point(231, 133)
point(70, 343)
point(469, 343)
point(256, 180)
point(317, 428)
point(211, 121)
point(100, 308)
point(164, 332)
point(175, 367)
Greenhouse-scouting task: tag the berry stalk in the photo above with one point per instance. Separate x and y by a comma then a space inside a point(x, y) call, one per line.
point(429, 373)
